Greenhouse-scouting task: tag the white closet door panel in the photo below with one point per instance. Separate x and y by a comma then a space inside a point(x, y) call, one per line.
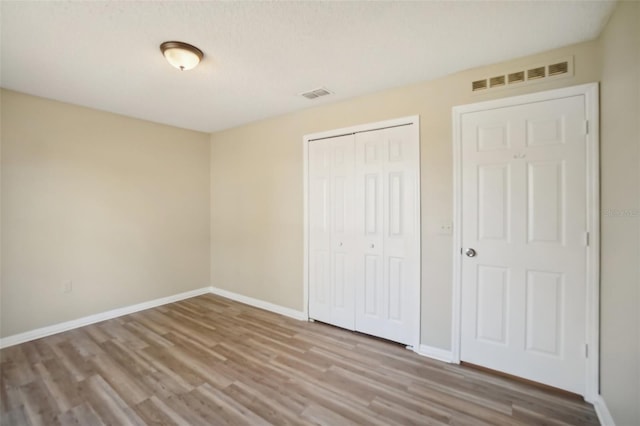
point(370, 291)
point(331, 236)
point(342, 232)
point(387, 277)
point(401, 231)
point(319, 230)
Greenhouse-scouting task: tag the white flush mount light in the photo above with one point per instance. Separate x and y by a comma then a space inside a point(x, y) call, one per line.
point(181, 55)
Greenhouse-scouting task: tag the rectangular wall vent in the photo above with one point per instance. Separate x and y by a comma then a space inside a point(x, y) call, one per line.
point(479, 85)
point(560, 68)
point(516, 77)
point(497, 81)
point(536, 73)
point(316, 93)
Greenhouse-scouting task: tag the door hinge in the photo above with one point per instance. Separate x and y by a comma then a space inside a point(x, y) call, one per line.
point(586, 239)
point(586, 127)
point(586, 350)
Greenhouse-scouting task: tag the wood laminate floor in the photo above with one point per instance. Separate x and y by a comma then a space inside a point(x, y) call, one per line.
point(209, 361)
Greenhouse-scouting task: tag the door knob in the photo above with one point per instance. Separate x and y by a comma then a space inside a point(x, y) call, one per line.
point(470, 252)
point(340, 244)
point(373, 245)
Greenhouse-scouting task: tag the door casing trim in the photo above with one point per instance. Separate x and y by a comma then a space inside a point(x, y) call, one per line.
point(592, 317)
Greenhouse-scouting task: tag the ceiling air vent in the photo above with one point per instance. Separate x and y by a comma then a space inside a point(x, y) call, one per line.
point(535, 73)
point(516, 77)
point(478, 85)
point(497, 81)
point(316, 93)
point(559, 68)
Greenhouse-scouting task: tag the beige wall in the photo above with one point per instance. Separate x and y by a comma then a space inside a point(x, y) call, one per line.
point(620, 183)
point(117, 205)
point(256, 185)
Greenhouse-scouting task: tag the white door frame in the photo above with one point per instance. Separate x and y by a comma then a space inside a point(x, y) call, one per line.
point(413, 120)
point(592, 320)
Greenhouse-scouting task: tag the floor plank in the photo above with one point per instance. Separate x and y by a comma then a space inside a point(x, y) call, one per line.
point(209, 360)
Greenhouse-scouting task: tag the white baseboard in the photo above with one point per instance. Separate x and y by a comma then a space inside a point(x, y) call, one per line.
point(38, 333)
point(267, 306)
point(604, 416)
point(435, 353)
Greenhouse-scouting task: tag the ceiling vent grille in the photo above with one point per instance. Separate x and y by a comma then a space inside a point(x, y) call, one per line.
point(316, 93)
point(557, 69)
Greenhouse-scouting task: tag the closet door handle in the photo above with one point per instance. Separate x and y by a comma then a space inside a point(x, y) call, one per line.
point(340, 244)
point(373, 245)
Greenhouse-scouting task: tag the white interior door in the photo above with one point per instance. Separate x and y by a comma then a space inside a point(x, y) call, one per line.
point(331, 231)
point(387, 229)
point(524, 215)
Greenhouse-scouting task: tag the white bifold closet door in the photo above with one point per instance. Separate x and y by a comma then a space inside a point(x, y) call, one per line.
point(331, 229)
point(364, 229)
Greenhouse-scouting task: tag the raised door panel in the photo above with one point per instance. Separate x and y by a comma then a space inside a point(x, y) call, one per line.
point(545, 128)
point(372, 199)
point(397, 288)
point(492, 307)
point(493, 202)
point(340, 280)
point(493, 136)
point(396, 204)
point(545, 202)
point(545, 314)
point(320, 269)
point(372, 282)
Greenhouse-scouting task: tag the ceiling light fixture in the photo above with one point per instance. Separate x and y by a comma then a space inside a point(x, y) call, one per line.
point(181, 55)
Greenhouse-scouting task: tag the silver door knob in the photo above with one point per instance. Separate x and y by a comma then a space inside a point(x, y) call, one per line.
point(470, 252)
point(340, 244)
point(373, 245)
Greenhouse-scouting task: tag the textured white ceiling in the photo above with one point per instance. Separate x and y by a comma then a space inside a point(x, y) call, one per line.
point(260, 55)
